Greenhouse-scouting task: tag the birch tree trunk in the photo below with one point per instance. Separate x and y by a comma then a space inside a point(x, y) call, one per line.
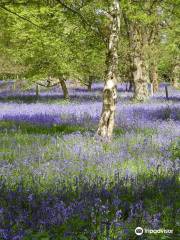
point(139, 76)
point(106, 123)
point(64, 88)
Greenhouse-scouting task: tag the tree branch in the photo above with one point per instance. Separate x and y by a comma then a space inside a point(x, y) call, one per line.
point(43, 85)
point(22, 17)
point(95, 28)
point(73, 10)
point(31, 22)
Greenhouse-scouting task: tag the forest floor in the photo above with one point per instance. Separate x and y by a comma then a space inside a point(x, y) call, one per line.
point(60, 181)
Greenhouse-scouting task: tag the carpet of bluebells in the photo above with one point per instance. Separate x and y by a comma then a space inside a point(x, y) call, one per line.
point(58, 180)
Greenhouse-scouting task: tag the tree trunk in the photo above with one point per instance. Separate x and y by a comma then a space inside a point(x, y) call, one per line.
point(176, 76)
point(145, 68)
point(90, 81)
point(130, 56)
point(141, 90)
point(139, 76)
point(64, 88)
point(166, 92)
point(37, 91)
point(154, 77)
point(137, 64)
point(151, 89)
point(106, 123)
point(131, 78)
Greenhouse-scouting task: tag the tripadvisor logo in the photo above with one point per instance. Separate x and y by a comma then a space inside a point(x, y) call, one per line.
point(139, 231)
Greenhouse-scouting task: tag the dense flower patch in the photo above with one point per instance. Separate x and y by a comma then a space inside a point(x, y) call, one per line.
point(60, 181)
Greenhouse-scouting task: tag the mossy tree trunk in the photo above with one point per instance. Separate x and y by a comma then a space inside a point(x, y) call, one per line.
point(138, 68)
point(138, 65)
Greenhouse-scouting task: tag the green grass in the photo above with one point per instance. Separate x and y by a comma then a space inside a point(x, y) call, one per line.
point(27, 128)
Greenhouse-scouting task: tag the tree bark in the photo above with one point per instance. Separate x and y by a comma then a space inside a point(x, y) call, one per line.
point(176, 76)
point(141, 91)
point(167, 93)
point(154, 77)
point(131, 78)
point(131, 85)
point(90, 81)
point(106, 123)
point(139, 75)
point(138, 69)
point(37, 91)
point(64, 88)
point(130, 75)
point(151, 89)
